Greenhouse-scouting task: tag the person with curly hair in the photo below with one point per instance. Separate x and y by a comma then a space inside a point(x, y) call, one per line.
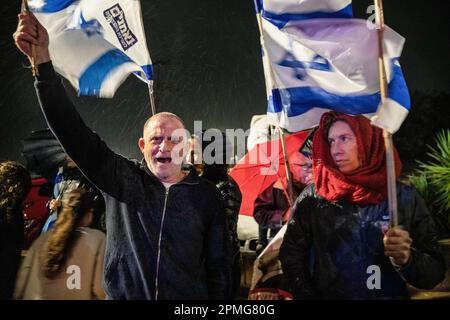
point(15, 183)
point(66, 262)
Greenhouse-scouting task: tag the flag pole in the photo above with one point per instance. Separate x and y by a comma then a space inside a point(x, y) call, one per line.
point(26, 10)
point(390, 165)
point(269, 86)
point(287, 167)
point(152, 99)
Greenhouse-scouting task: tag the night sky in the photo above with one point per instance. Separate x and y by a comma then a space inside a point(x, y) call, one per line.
point(207, 65)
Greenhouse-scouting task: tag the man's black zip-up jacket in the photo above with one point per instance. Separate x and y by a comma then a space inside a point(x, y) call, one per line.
point(160, 244)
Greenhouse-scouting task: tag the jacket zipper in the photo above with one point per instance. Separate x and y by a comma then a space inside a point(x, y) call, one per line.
point(159, 244)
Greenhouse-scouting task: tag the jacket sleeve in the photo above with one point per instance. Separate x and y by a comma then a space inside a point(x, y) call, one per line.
point(232, 200)
point(295, 252)
point(218, 253)
point(97, 162)
point(426, 267)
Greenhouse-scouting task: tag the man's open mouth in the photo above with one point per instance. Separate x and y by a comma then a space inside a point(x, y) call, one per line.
point(164, 159)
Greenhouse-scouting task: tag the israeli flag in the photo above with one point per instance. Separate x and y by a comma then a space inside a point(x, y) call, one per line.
point(95, 44)
point(313, 65)
point(280, 12)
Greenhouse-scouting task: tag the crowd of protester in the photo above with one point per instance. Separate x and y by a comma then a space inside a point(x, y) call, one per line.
point(318, 248)
point(171, 221)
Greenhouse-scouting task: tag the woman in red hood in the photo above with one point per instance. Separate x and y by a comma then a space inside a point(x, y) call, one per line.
point(338, 245)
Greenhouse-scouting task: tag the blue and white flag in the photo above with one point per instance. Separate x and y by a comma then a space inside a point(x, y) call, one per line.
point(95, 44)
point(280, 12)
point(313, 65)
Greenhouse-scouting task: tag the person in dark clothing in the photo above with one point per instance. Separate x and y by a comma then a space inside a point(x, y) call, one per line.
point(15, 183)
point(272, 212)
point(216, 171)
point(340, 226)
point(167, 236)
point(272, 207)
point(232, 198)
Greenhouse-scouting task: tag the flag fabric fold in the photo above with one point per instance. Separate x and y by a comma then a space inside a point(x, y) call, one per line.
point(280, 12)
point(95, 44)
point(320, 59)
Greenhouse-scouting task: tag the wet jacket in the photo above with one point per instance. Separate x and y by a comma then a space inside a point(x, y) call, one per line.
point(270, 206)
point(232, 198)
point(335, 250)
point(161, 244)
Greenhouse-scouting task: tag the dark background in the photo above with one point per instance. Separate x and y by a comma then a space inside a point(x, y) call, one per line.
point(207, 65)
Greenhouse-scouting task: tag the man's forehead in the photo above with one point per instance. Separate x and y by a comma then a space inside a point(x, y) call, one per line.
point(163, 125)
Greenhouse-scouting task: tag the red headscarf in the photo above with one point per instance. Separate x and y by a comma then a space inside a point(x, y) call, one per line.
point(367, 184)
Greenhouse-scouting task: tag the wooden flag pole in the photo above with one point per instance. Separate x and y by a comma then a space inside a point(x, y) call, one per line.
point(288, 169)
point(390, 164)
point(26, 10)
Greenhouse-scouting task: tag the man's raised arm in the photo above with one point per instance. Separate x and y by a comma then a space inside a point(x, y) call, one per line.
point(89, 152)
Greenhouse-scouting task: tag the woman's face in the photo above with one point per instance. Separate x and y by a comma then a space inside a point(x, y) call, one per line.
point(343, 147)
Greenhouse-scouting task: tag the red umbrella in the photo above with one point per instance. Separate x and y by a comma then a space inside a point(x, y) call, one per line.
point(263, 166)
